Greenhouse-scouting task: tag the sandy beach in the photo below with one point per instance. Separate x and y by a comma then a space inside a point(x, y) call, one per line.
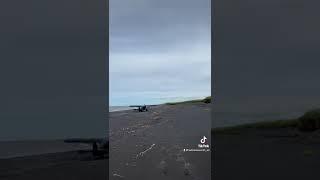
point(149, 145)
point(63, 165)
point(266, 153)
point(144, 145)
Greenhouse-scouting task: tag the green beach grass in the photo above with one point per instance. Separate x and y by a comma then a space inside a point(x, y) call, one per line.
point(259, 125)
point(205, 100)
point(309, 122)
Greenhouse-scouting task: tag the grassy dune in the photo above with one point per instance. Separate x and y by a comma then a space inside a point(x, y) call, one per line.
point(309, 122)
point(259, 125)
point(205, 100)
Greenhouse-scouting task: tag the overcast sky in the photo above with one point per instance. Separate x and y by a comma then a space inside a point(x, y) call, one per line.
point(267, 47)
point(159, 50)
point(266, 56)
point(52, 69)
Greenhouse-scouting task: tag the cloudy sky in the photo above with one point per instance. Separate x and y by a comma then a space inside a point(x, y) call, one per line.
point(159, 50)
point(266, 56)
point(267, 47)
point(52, 69)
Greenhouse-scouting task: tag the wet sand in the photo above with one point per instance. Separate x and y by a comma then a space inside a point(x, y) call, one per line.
point(54, 166)
point(264, 154)
point(149, 145)
point(146, 145)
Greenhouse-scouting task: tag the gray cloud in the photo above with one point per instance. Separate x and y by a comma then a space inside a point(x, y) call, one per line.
point(266, 58)
point(53, 69)
point(267, 47)
point(52, 47)
point(159, 47)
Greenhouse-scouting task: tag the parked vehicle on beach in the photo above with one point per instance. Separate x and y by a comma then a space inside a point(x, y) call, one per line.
point(100, 146)
point(140, 108)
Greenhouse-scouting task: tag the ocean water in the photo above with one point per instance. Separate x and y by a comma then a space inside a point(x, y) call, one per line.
point(119, 108)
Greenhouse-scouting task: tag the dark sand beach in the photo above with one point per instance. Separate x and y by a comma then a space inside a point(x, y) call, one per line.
point(266, 153)
point(63, 165)
point(149, 145)
point(143, 145)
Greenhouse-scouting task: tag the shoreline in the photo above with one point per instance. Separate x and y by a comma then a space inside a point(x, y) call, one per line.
point(149, 145)
point(127, 108)
point(206, 99)
point(141, 147)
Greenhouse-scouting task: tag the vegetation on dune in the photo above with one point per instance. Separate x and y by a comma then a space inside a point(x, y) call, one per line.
point(259, 125)
point(307, 152)
point(310, 121)
point(205, 100)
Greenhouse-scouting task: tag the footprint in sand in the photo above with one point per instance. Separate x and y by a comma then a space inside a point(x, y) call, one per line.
point(186, 165)
point(163, 167)
point(156, 118)
point(180, 158)
point(187, 169)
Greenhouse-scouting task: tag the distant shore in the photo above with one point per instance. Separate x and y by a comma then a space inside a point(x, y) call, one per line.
point(127, 107)
point(119, 108)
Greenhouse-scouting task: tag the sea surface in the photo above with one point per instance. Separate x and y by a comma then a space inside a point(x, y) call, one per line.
point(119, 108)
